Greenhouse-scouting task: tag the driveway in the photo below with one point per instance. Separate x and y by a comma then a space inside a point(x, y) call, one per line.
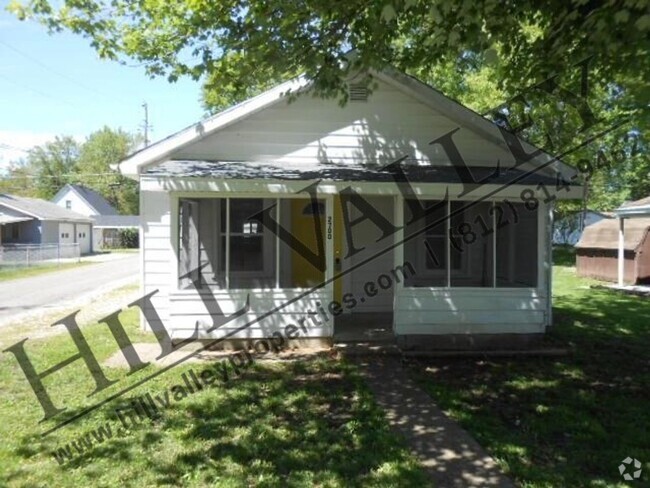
point(64, 288)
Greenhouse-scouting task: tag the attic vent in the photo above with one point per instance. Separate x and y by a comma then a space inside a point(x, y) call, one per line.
point(358, 92)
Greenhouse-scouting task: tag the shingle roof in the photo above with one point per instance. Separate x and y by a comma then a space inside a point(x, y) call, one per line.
point(338, 172)
point(604, 234)
point(117, 221)
point(41, 209)
point(93, 198)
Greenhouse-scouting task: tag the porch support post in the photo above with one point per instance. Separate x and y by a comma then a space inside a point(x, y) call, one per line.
point(277, 243)
point(494, 245)
point(329, 247)
point(621, 250)
point(398, 253)
point(448, 241)
point(227, 243)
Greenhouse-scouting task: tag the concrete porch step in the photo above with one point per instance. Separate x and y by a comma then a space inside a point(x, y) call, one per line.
point(367, 348)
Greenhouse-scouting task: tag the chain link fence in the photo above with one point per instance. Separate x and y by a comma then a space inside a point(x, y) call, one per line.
point(28, 254)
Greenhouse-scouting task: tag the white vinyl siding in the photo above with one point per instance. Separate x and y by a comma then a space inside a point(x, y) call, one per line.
point(387, 127)
point(77, 204)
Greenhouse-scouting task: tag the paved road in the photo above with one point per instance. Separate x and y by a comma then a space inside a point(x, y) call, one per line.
point(52, 290)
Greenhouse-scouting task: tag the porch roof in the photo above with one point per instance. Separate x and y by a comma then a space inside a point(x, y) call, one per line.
point(10, 219)
point(336, 172)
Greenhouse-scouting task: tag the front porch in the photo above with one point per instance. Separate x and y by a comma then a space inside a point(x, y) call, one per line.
point(360, 268)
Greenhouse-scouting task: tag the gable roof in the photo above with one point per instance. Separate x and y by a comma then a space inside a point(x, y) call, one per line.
point(604, 234)
point(40, 209)
point(91, 197)
point(425, 94)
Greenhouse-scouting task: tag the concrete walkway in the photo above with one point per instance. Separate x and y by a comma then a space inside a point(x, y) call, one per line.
point(447, 452)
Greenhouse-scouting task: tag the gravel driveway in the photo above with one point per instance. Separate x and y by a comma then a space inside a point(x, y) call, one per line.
point(38, 294)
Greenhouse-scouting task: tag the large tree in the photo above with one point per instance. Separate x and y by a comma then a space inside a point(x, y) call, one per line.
point(478, 51)
point(241, 44)
point(53, 164)
point(102, 149)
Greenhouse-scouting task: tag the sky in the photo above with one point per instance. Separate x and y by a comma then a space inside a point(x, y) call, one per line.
point(56, 85)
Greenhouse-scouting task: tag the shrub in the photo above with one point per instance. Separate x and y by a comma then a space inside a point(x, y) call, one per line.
point(129, 238)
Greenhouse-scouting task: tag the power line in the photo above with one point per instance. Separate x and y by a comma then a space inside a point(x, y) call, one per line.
point(62, 75)
point(40, 93)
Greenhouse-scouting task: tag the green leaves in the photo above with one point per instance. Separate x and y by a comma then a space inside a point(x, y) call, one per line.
point(481, 52)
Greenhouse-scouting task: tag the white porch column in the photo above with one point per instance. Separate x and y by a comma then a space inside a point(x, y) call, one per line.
point(621, 250)
point(398, 252)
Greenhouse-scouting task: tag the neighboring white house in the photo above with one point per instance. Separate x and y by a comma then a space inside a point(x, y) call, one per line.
point(107, 220)
point(34, 221)
point(83, 200)
point(221, 200)
point(568, 229)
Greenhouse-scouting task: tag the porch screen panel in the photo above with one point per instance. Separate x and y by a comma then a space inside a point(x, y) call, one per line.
point(517, 245)
point(252, 261)
point(471, 237)
point(427, 251)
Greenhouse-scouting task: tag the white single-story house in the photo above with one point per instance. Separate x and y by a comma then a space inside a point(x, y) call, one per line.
point(33, 221)
point(568, 229)
point(292, 206)
point(107, 220)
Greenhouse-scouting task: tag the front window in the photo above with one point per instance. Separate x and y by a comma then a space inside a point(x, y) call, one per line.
point(251, 249)
point(224, 244)
point(68, 204)
point(472, 244)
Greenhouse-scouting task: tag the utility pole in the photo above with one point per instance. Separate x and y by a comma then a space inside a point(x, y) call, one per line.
point(145, 124)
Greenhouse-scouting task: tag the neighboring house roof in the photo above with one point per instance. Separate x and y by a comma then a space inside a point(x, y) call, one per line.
point(117, 221)
point(633, 209)
point(91, 197)
point(425, 94)
point(41, 209)
point(604, 234)
point(338, 172)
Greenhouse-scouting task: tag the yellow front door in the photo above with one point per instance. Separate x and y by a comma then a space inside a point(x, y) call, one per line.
point(304, 273)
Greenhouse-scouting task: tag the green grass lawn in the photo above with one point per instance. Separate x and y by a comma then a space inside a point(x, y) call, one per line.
point(305, 423)
point(15, 272)
point(561, 422)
